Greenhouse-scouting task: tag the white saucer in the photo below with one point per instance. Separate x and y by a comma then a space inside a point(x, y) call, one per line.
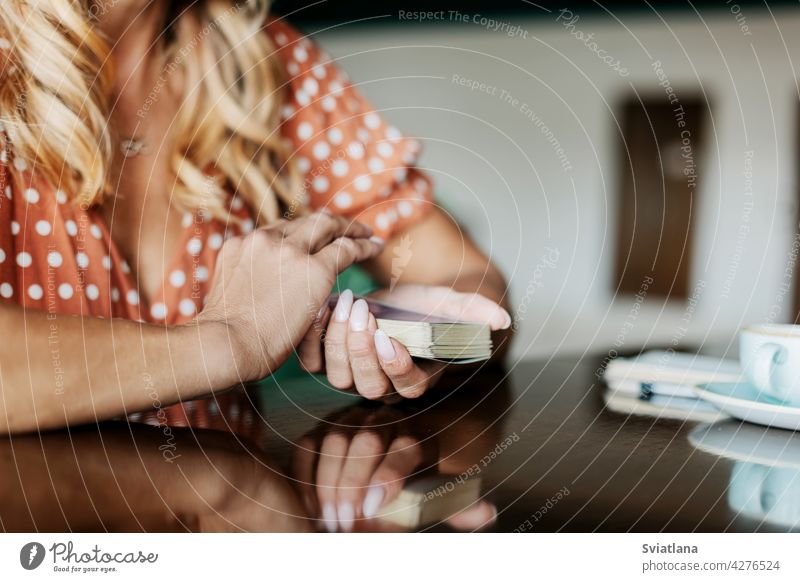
point(748, 443)
point(743, 401)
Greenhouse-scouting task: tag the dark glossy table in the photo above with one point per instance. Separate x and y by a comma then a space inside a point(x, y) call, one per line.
point(550, 457)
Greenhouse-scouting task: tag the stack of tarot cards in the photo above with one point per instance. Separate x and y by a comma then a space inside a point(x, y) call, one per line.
point(431, 337)
point(430, 500)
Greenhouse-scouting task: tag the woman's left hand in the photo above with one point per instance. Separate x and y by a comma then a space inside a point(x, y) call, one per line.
point(355, 354)
point(359, 461)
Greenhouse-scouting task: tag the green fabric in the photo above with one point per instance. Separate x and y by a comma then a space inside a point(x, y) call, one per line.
point(355, 279)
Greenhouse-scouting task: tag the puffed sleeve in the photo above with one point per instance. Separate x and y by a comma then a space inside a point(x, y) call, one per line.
point(353, 162)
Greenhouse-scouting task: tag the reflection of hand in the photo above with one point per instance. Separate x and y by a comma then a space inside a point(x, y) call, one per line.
point(357, 354)
point(348, 473)
point(359, 465)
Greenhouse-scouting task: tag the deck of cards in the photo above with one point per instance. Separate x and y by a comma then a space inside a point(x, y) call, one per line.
point(431, 337)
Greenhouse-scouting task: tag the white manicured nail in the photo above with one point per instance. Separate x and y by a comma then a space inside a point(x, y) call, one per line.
point(359, 316)
point(383, 344)
point(347, 514)
point(372, 501)
point(343, 306)
point(329, 517)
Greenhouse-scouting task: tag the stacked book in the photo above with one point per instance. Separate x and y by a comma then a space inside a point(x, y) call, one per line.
point(660, 383)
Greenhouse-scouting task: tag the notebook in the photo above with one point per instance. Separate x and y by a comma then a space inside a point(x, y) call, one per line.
point(431, 337)
point(673, 368)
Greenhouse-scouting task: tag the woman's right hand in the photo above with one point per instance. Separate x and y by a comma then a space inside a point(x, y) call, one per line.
point(271, 285)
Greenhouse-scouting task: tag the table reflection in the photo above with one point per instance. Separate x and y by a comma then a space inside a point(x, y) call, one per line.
point(356, 461)
point(208, 469)
point(765, 478)
point(136, 477)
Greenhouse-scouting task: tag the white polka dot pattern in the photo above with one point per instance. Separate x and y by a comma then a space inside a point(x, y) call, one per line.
point(92, 292)
point(65, 291)
point(177, 278)
point(132, 297)
point(158, 311)
point(55, 253)
point(187, 307)
point(54, 259)
point(353, 161)
point(24, 259)
point(35, 292)
point(31, 195)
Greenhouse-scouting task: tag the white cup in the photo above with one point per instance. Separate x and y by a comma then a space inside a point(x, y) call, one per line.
point(770, 358)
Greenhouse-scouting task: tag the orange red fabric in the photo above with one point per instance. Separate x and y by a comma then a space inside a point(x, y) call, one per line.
point(59, 258)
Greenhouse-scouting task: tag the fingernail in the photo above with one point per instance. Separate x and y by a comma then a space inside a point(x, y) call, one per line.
point(342, 311)
point(383, 344)
point(507, 323)
point(326, 210)
point(347, 515)
point(372, 501)
point(377, 240)
point(329, 517)
point(359, 316)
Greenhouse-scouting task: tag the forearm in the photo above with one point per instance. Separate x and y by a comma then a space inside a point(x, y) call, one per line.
point(112, 478)
point(488, 282)
point(437, 252)
point(64, 370)
point(117, 478)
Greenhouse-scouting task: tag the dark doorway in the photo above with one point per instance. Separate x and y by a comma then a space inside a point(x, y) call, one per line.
point(659, 179)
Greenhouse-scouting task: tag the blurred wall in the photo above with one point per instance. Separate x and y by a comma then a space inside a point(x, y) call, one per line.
point(529, 161)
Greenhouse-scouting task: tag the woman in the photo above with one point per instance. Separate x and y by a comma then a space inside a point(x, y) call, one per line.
point(142, 141)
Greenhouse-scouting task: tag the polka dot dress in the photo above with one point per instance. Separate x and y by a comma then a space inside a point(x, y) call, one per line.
point(59, 258)
point(354, 163)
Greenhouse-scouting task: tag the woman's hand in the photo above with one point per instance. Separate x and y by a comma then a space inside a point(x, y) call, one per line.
point(346, 472)
point(267, 289)
point(269, 286)
point(360, 466)
point(358, 355)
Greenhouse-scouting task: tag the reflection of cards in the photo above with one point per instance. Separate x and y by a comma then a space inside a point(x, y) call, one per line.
point(429, 336)
point(430, 500)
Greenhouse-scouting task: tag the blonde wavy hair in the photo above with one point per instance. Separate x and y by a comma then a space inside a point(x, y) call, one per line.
point(56, 78)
